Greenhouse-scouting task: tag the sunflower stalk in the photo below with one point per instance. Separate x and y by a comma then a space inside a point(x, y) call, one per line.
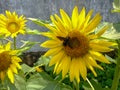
point(117, 70)
point(76, 85)
point(14, 43)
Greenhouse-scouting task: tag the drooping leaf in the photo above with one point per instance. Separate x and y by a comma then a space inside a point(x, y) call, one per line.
point(39, 22)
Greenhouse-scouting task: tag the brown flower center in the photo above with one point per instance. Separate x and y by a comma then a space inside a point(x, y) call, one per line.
point(76, 44)
point(13, 27)
point(5, 61)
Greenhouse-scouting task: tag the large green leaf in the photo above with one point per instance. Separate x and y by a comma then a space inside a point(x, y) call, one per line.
point(45, 82)
point(20, 82)
point(116, 6)
point(111, 33)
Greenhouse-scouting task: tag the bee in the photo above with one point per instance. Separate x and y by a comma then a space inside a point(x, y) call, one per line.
point(66, 41)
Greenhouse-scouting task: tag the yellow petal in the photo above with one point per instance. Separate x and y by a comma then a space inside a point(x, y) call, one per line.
point(16, 59)
point(53, 29)
point(83, 69)
point(56, 58)
point(8, 45)
point(13, 52)
point(48, 34)
point(92, 36)
point(89, 66)
point(61, 25)
point(10, 75)
point(88, 18)
point(99, 57)
point(13, 68)
point(65, 19)
point(100, 48)
point(66, 61)
point(17, 65)
point(93, 23)
point(92, 62)
point(74, 70)
point(81, 18)
point(53, 51)
point(103, 42)
point(60, 31)
point(102, 31)
point(75, 17)
point(51, 43)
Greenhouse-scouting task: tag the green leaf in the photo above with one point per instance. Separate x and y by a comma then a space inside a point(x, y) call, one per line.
point(26, 46)
point(117, 26)
point(95, 84)
point(110, 59)
point(43, 60)
point(32, 32)
point(44, 82)
point(111, 33)
point(39, 22)
point(116, 6)
point(20, 82)
point(25, 68)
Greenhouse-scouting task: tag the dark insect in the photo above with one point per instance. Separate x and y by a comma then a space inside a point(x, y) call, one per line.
point(66, 41)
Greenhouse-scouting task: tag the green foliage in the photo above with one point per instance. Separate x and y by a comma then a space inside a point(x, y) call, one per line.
point(39, 21)
point(29, 79)
point(116, 6)
point(38, 81)
point(113, 31)
point(32, 32)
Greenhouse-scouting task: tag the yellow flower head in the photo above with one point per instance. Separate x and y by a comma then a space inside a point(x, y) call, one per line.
point(74, 46)
point(11, 24)
point(9, 62)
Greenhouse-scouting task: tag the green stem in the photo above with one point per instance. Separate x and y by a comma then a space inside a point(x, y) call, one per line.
point(90, 84)
point(14, 42)
point(117, 71)
point(76, 84)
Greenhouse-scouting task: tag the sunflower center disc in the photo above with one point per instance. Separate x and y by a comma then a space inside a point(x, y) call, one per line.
point(76, 44)
point(13, 27)
point(5, 61)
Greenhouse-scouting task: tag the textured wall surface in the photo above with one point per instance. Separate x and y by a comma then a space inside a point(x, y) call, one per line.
point(44, 8)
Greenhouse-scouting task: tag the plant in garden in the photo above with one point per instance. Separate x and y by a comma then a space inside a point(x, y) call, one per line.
point(74, 46)
point(9, 62)
point(77, 44)
point(11, 24)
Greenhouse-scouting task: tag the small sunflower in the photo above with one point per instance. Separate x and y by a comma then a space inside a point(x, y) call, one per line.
point(11, 24)
point(74, 46)
point(9, 62)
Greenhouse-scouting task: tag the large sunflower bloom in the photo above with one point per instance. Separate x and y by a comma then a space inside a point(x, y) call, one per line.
point(11, 24)
point(9, 62)
point(74, 46)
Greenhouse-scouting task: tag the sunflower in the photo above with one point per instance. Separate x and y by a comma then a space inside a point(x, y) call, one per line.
point(9, 62)
point(11, 24)
point(74, 46)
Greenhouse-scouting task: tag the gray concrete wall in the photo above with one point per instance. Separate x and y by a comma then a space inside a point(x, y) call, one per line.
point(44, 8)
